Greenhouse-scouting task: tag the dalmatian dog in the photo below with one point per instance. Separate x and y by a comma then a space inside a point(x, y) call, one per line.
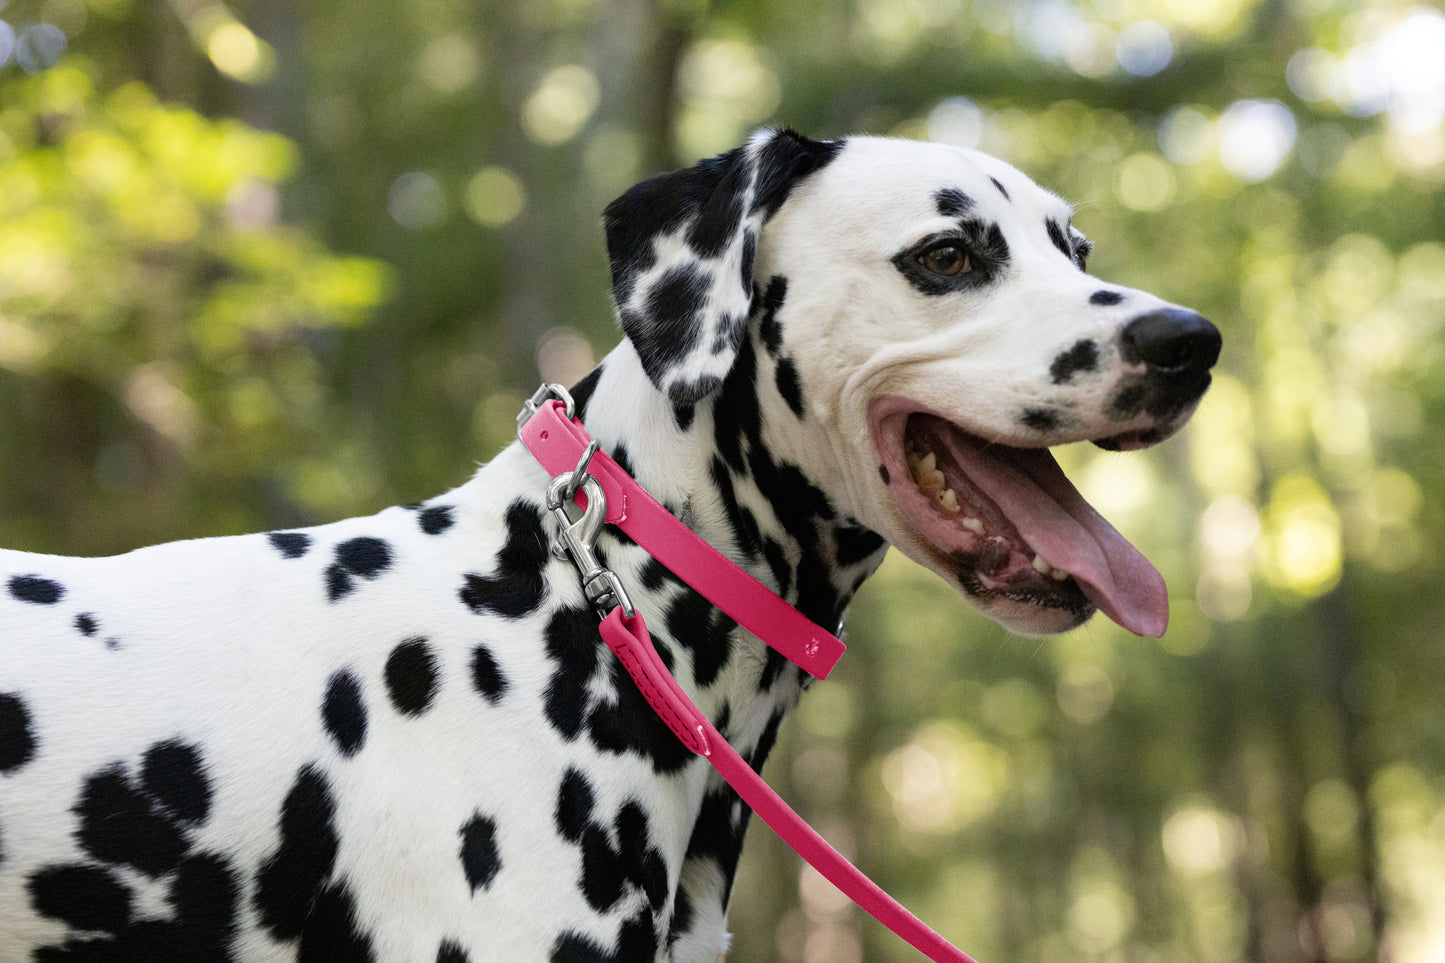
point(400, 738)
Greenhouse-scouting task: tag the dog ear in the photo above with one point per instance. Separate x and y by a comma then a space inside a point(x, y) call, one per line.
point(681, 247)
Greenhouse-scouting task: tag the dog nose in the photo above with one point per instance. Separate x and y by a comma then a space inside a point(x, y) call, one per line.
point(1173, 342)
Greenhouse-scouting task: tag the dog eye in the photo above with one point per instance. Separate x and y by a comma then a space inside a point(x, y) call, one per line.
point(946, 259)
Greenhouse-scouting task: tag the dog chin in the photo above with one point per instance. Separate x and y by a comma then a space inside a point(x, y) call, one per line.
point(1027, 619)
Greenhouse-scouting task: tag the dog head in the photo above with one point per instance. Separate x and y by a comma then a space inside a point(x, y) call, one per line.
point(926, 319)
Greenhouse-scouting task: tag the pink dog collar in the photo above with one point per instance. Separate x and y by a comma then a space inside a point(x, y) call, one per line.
point(557, 442)
point(561, 445)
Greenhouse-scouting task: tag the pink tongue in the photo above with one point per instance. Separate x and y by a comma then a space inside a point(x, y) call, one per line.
point(1032, 491)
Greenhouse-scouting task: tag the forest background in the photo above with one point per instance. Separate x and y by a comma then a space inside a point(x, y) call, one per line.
point(265, 264)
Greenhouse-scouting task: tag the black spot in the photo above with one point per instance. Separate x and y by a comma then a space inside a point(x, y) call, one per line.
point(625, 723)
point(171, 772)
point(953, 202)
point(1057, 236)
point(572, 642)
point(202, 897)
point(411, 676)
point(637, 940)
point(602, 876)
point(517, 586)
point(480, 859)
point(883, 474)
point(690, 392)
point(291, 878)
point(1000, 187)
point(1128, 402)
point(715, 834)
point(631, 725)
point(451, 951)
point(623, 459)
point(669, 327)
point(769, 329)
point(692, 621)
point(777, 558)
point(338, 582)
point(487, 676)
point(33, 588)
point(112, 643)
point(744, 524)
point(331, 934)
point(575, 800)
point(750, 247)
point(682, 916)
point(642, 863)
point(582, 392)
point(86, 625)
point(435, 519)
point(1040, 419)
point(290, 544)
point(786, 159)
point(17, 740)
point(85, 897)
point(1105, 297)
point(683, 414)
point(120, 824)
point(789, 386)
point(766, 741)
point(856, 544)
point(773, 667)
point(1083, 356)
point(205, 893)
point(343, 713)
point(364, 556)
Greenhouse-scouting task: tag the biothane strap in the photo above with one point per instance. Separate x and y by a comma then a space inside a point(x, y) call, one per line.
point(558, 443)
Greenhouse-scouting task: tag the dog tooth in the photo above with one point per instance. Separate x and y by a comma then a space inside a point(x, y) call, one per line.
point(949, 501)
point(1058, 575)
point(928, 463)
point(1041, 565)
point(932, 481)
point(973, 525)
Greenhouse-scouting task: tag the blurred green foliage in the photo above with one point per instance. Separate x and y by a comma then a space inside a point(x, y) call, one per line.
point(274, 263)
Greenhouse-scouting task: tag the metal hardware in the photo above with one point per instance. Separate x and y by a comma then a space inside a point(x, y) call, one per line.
point(580, 472)
point(539, 398)
point(579, 537)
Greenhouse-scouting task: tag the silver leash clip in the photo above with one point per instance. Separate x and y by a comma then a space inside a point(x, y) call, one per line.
point(540, 397)
point(578, 537)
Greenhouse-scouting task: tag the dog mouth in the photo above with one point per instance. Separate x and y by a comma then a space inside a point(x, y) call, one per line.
point(1008, 524)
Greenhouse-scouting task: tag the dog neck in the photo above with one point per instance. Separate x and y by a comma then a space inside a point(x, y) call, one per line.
point(715, 465)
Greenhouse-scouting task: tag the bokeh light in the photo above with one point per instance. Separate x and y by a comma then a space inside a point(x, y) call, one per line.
point(495, 197)
point(560, 106)
point(39, 46)
point(416, 201)
point(1144, 48)
point(1255, 137)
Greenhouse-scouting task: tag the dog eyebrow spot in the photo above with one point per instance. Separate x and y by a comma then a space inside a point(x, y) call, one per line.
point(1083, 356)
point(1000, 187)
point(1105, 297)
point(1057, 236)
point(952, 202)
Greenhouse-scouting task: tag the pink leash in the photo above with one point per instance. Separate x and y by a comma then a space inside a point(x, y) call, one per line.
point(596, 481)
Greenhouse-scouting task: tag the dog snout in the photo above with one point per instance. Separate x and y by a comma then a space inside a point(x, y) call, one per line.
point(1174, 343)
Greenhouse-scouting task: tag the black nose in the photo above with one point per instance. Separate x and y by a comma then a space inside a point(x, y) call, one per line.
point(1173, 342)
